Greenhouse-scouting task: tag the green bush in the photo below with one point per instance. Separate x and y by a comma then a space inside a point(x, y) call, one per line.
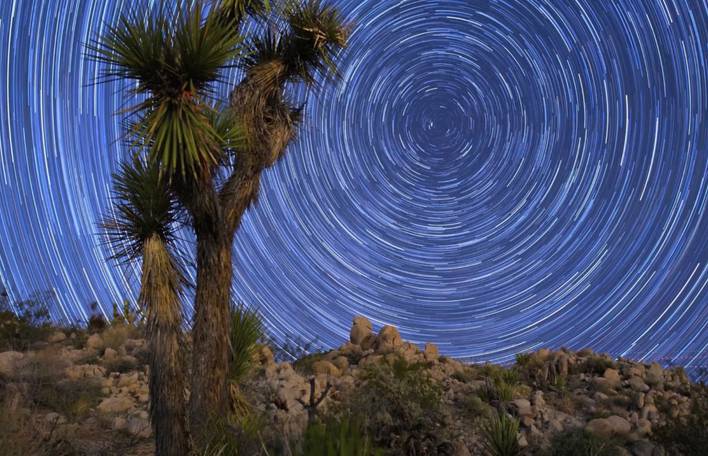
point(500, 436)
point(579, 442)
point(338, 438)
point(400, 407)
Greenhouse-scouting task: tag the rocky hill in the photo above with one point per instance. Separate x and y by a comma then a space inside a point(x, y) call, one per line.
point(80, 393)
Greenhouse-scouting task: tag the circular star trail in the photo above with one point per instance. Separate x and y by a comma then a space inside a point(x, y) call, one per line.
point(492, 176)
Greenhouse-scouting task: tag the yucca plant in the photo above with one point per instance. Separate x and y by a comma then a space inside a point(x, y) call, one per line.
point(210, 155)
point(500, 435)
point(246, 331)
point(141, 227)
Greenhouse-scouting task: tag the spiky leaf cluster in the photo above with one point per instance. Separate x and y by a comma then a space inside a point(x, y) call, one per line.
point(175, 58)
point(142, 209)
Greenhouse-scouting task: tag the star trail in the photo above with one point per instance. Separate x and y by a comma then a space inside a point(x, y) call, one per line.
point(491, 176)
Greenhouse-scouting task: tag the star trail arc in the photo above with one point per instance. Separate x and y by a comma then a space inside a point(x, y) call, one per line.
point(492, 176)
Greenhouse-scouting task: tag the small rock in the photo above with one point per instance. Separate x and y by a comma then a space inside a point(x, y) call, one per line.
point(54, 418)
point(537, 400)
point(109, 353)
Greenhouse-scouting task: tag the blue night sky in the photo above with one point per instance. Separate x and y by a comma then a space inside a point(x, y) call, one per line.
point(492, 176)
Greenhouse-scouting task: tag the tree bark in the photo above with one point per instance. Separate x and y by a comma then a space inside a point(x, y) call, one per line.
point(160, 296)
point(211, 330)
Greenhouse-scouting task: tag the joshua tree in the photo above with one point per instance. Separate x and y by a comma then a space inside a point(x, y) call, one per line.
point(140, 228)
point(210, 158)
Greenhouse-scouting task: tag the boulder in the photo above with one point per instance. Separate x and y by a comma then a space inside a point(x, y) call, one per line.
point(643, 427)
point(654, 375)
point(361, 329)
point(325, 367)
point(523, 407)
point(341, 362)
point(139, 427)
point(613, 378)
point(117, 404)
point(601, 427)
point(265, 356)
point(431, 350)
point(609, 427)
point(620, 426)
point(388, 339)
point(128, 380)
point(637, 384)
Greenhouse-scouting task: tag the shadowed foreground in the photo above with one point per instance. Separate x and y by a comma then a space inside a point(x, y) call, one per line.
point(80, 392)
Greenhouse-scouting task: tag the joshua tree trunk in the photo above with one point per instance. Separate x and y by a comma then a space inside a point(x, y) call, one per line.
point(160, 296)
point(211, 329)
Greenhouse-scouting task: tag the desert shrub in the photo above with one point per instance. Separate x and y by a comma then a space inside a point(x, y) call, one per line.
point(522, 359)
point(495, 392)
point(466, 375)
point(246, 330)
point(687, 436)
point(115, 336)
point(338, 438)
point(121, 364)
point(46, 389)
point(579, 442)
point(125, 315)
point(400, 407)
point(475, 408)
point(18, 434)
point(27, 324)
point(500, 436)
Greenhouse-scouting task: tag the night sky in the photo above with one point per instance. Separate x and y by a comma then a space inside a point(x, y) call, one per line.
point(492, 176)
